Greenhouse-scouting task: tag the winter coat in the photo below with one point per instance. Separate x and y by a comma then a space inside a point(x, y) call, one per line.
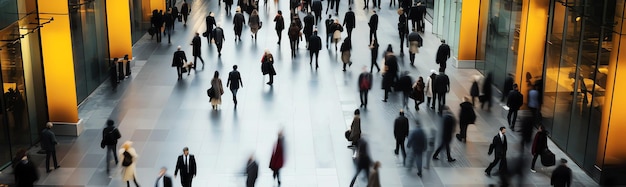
point(278, 155)
point(48, 140)
point(467, 114)
point(418, 90)
point(128, 172)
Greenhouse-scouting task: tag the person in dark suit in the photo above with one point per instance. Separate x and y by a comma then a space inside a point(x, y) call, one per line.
point(316, 7)
point(466, 116)
point(349, 21)
point(280, 25)
point(168, 19)
point(186, 163)
point(163, 180)
point(443, 53)
point(315, 45)
point(178, 61)
point(374, 49)
point(400, 132)
point(413, 15)
point(197, 53)
point(540, 144)
point(185, 9)
point(514, 102)
point(218, 37)
point(234, 82)
point(363, 160)
point(110, 135)
point(441, 88)
point(391, 71)
point(309, 23)
point(25, 171)
point(405, 83)
point(417, 142)
point(499, 146)
point(329, 28)
point(562, 175)
point(403, 28)
point(448, 123)
point(421, 9)
point(252, 172)
point(238, 21)
point(210, 22)
point(48, 144)
point(365, 84)
point(373, 23)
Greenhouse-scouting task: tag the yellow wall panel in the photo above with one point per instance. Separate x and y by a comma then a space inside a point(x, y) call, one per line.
point(532, 41)
point(157, 4)
point(613, 118)
point(469, 30)
point(56, 48)
point(118, 23)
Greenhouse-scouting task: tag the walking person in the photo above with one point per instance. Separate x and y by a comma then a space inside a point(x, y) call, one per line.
point(365, 85)
point(442, 87)
point(373, 23)
point(417, 143)
point(163, 180)
point(562, 175)
point(390, 71)
point(508, 86)
point(267, 66)
point(374, 48)
point(294, 35)
point(278, 157)
point(238, 21)
point(374, 179)
point(24, 170)
point(185, 9)
point(218, 37)
point(475, 90)
point(534, 104)
point(403, 29)
point(252, 171)
point(186, 164)
point(110, 135)
point(346, 47)
point(405, 84)
point(415, 42)
point(349, 21)
point(197, 52)
point(255, 23)
point(210, 22)
point(448, 123)
point(316, 7)
point(515, 100)
point(467, 116)
point(337, 29)
point(218, 90)
point(329, 29)
point(178, 61)
point(418, 91)
point(315, 45)
point(414, 15)
point(279, 26)
point(129, 162)
point(540, 144)
point(487, 93)
point(355, 129)
point(234, 83)
point(363, 160)
point(430, 89)
point(400, 133)
point(157, 24)
point(443, 54)
point(168, 19)
point(499, 145)
point(228, 7)
point(48, 144)
point(309, 23)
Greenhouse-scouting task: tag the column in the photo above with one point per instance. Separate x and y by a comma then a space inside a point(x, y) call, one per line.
point(118, 25)
point(473, 24)
point(532, 41)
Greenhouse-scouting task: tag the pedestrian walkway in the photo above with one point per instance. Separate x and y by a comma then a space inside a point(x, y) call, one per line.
point(161, 114)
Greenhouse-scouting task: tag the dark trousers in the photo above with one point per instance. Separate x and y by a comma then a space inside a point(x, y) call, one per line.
point(111, 150)
point(532, 165)
point(293, 44)
point(234, 91)
point(402, 37)
point(374, 57)
point(387, 90)
point(487, 101)
point(442, 66)
point(358, 170)
point(54, 158)
point(179, 70)
point(316, 53)
point(219, 47)
point(276, 175)
point(419, 157)
point(328, 37)
point(185, 18)
point(250, 182)
point(350, 32)
point(185, 180)
point(511, 118)
point(536, 115)
point(412, 57)
point(373, 33)
point(442, 101)
point(428, 102)
point(463, 128)
point(271, 79)
point(417, 104)
point(196, 62)
point(134, 180)
point(496, 160)
point(279, 33)
point(158, 33)
point(363, 95)
point(443, 145)
point(400, 144)
point(415, 24)
point(405, 99)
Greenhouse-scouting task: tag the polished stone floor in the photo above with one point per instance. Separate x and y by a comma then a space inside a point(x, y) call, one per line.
point(161, 114)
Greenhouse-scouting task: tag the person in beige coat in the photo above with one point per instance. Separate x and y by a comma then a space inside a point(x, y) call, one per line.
point(255, 23)
point(355, 129)
point(128, 172)
point(216, 84)
point(374, 178)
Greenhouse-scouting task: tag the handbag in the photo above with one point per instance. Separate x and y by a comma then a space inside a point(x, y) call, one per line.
point(210, 92)
point(260, 24)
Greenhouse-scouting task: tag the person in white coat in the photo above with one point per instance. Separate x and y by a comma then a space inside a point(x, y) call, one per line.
point(129, 161)
point(429, 88)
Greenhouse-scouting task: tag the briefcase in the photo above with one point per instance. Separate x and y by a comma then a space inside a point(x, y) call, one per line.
point(548, 158)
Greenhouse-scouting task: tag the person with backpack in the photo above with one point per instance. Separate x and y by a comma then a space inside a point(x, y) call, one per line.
point(365, 84)
point(110, 135)
point(128, 164)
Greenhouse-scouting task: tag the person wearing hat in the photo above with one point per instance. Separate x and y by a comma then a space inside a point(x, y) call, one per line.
point(373, 23)
point(562, 175)
point(186, 164)
point(178, 61)
point(315, 45)
point(238, 21)
point(110, 135)
point(129, 162)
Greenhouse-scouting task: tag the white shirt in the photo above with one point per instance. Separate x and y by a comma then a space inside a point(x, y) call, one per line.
point(501, 136)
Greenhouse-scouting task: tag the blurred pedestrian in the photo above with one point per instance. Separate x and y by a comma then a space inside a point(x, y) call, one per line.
point(467, 116)
point(390, 74)
point(418, 92)
point(178, 61)
point(474, 90)
point(443, 54)
point(403, 29)
point(278, 157)
point(234, 83)
point(255, 23)
point(315, 45)
point(562, 175)
point(169, 20)
point(280, 25)
point(365, 84)
point(329, 28)
point(294, 35)
point(309, 23)
point(355, 129)
point(186, 164)
point(163, 180)
point(442, 87)
point(487, 93)
point(363, 160)
point(185, 9)
point(238, 21)
point(267, 66)
point(24, 170)
point(374, 48)
point(507, 87)
point(499, 145)
point(418, 144)
point(540, 145)
point(534, 104)
point(129, 162)
point(515, 100)
point(197, 52)
point(405, 84)
point(110, 135)
point(316, 7)
point(430, 89)
point(218, 37)
point(218, 89)
point(448, 123)
point(415, 42)
point(349, 21)
point(337, 29)
point(400, 133)
point(374, 178)
point(346, 47)
point(252, 171)
point(48, 144)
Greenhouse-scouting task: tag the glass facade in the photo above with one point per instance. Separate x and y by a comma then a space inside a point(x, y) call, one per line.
point(447, 20)
point(140, 18)
point(8, 12)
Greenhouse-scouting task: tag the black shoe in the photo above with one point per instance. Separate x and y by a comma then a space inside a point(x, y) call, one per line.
point(419, 174)
point(458, 137)
point(384, 100)
point(395, 152)
point(435, 158)
point(451, 159)
point(487, 174)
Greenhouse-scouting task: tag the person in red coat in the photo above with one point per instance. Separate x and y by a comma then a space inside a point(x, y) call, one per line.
point(278, 157)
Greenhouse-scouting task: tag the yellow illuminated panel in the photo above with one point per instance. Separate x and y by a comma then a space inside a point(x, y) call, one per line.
point(56, 48)
point(469, 30)
point(118, 23)
point(532, 40)
point(157, 4)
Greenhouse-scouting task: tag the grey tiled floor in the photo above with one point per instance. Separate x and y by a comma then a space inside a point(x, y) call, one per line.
point(162, 115)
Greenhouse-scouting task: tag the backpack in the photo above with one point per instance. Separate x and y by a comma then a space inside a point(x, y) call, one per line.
point(128, 159)
point(364, 83)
